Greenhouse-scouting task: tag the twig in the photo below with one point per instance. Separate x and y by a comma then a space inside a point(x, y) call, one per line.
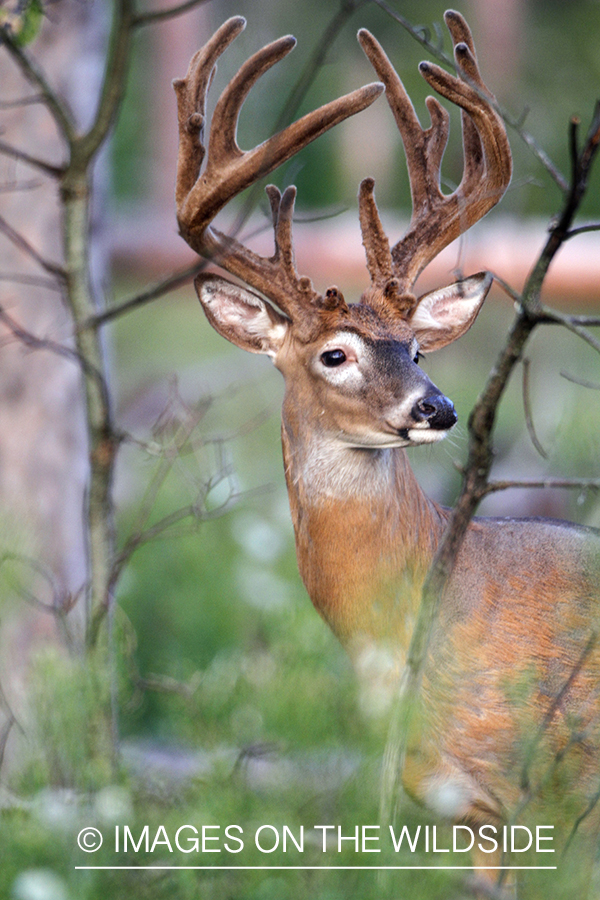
point(9, 724)
point(16, 187)
point(19, 241)
point(32, 280)
point(580, 381)
point(164, 684)
point(181, 436)
point(42, 571)
point(421, 35)
point(527, 409)
point(41, 164)
point(35, 343)
point(4, 735)
point(85, 147)
point(161, 15)
point(581, 164)
point(587, 811)
point(36, 77)
point(572, 323)
point(316, 60)
point(507, 288)
point(172, 283)
point(21, 101)
point(582, 484)
point(589, 321)
point(583, 229)
point(551, 711)
point(164, 528)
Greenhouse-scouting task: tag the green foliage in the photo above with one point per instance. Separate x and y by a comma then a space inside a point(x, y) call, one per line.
point(70, 700)
point(22, 20)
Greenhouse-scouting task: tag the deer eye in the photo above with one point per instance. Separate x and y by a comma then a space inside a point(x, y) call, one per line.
point(418, 357)
point(333, 358)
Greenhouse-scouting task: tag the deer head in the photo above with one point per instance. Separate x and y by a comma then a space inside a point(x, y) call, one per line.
point(351, 369)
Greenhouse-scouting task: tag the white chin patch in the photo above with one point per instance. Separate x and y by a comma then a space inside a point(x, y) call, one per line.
point(389, 441)
point(377, 442)
point(426, 435)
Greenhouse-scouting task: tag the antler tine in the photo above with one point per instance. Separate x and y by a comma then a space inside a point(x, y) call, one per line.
point(375, 241)
point(438, 219)
point(229, 170)
point(191, 104)
point(282, 212)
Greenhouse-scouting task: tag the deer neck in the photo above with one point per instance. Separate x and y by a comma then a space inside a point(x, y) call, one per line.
point(365, 534)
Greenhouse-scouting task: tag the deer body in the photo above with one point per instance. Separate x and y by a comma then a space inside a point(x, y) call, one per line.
point(489, 625)
point(366, 535)
point(510, 690)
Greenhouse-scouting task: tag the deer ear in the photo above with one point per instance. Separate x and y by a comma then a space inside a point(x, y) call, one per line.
point(444, 315)
point(240, 316)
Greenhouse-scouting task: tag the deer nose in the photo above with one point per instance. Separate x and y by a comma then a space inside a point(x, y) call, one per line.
point(436, 410)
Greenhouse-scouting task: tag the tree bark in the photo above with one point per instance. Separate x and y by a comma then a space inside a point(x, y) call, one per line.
point(43, 443)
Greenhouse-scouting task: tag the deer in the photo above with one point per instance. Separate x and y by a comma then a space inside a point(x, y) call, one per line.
point(514, 648)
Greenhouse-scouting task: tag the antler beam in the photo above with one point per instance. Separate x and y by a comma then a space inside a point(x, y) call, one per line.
point(229, 170)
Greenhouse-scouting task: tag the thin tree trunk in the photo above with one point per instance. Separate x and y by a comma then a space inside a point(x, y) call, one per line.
point(43, 441)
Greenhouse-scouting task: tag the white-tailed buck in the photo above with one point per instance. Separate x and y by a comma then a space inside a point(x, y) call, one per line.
point(513, 667)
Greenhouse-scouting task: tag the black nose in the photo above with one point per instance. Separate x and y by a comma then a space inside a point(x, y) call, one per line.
point(436, 410)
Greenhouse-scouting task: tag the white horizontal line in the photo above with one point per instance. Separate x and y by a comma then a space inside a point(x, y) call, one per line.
point(316, 868)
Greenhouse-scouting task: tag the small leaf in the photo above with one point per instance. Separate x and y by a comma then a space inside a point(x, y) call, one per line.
point(23, 21)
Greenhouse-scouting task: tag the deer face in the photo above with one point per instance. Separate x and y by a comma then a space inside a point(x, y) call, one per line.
point(364, 390)
point(354, 377)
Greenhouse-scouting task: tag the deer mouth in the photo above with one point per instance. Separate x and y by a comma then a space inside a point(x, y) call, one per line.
point(426, 435)
point(422, 434)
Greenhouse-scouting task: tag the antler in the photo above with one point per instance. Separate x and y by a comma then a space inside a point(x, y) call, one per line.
point(437, 218)
point(200, 196)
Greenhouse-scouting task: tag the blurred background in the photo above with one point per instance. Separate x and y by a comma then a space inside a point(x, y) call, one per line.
point(235, 702)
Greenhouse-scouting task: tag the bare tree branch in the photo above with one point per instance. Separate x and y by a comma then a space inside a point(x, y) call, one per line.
point(162, 15)
point(19, 241)
point(4, 736)
point(84, 148)
point(583, 229)
point(582, 484)
point(589, 321)
point(572, 323)
point(587, 811)
point(33, 280)
point(507, 288)
point(172, 283)
point(164, 684)
point(527, 408)
point(580, 381)
point(37, 78)
point(554, 706)
point(43, 166)
point(35, 343)
point(21, 101)
point(581, 164)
